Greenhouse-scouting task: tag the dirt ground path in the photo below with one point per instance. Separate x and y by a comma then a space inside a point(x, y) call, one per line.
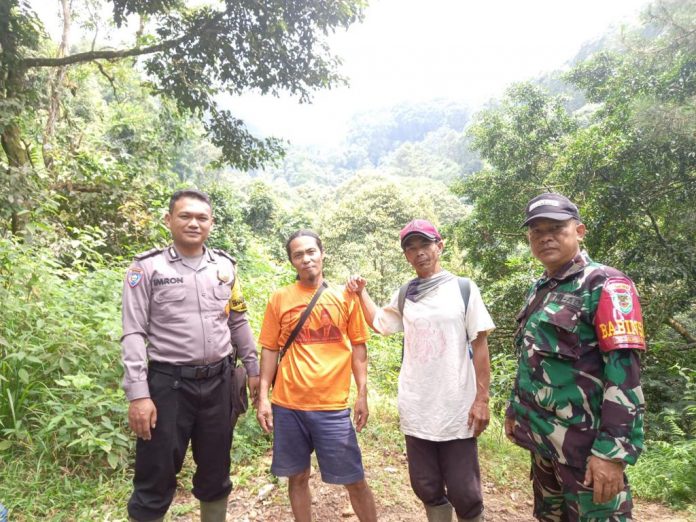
point(262, 500)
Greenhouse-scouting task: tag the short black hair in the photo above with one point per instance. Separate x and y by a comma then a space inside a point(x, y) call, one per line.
point(301, 233)
point(188, 193)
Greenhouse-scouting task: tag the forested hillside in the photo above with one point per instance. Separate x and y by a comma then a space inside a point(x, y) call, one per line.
point(95, 139)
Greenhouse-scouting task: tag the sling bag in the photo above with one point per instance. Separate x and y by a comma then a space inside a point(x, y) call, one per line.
point(298, 326)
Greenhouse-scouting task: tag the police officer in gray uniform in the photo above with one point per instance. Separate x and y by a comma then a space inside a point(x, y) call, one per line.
point(182, 314)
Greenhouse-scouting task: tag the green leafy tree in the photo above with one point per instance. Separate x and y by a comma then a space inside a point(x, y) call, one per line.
point(627, 159)
point(361, 232)
point(413, 160)
point(635, 165)
point(230, 231)
point(114, 162)
point(520, 142)
point(261, 208)
point(191, 55)
point(628, 163)
point(380, 132)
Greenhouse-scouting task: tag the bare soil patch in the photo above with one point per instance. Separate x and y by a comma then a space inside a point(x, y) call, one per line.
point(264, 499)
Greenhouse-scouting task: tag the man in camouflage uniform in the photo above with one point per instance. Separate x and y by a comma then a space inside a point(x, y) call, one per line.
point(577, 403)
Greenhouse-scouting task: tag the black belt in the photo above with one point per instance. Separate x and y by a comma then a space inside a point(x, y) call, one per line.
point(190, 372)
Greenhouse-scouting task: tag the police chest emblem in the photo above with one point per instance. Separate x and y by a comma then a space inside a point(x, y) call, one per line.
point(135, 275)
point(621, 296)
point(223, 277)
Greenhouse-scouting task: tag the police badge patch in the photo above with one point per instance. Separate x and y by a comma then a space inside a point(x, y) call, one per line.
point(134, 276)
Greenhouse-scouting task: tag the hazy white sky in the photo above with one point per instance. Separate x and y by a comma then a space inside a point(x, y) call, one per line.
point(421, 49)
point(413, 50)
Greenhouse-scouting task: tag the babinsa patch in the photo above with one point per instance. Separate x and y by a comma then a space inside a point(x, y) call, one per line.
point(618, 319)
point(134, 276)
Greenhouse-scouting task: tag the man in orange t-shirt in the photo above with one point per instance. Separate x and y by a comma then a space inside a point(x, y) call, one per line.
point(309, 410)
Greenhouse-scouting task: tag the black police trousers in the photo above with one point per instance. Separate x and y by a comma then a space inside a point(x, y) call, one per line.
point(187, 410)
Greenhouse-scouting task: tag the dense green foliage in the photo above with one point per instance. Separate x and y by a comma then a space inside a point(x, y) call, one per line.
point(59, 369)
point(617, 134)
point(193, 54)
point(627, 158)
point(380, 132)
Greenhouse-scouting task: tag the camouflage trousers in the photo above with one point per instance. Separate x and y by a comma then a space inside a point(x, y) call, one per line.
point(560, 496)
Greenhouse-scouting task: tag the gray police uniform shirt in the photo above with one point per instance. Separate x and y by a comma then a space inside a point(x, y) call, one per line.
point(179, 314)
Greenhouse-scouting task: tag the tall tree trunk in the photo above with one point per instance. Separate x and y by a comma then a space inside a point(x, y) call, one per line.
point(11, 82)
point(17, 155)
point(10, 138)
point(56, 86)
point(17, 158)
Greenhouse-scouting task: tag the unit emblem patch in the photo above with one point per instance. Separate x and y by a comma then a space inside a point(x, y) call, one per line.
point(621, 296)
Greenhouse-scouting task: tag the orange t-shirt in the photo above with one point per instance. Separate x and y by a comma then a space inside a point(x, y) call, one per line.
point(316, 369)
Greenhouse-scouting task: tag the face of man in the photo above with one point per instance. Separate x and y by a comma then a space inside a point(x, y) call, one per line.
point(307, 259)
point(555, 243)
point(189, 223)
point(423, 255)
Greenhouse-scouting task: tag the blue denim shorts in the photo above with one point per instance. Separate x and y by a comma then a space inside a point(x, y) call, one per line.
point(297, 433)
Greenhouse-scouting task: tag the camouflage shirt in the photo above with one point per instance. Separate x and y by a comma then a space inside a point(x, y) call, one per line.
point(577, 390)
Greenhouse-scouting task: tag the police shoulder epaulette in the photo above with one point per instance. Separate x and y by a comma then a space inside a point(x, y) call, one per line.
point(222, 253)
point(149, 253)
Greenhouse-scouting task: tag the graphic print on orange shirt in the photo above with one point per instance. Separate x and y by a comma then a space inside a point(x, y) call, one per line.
point(328, 332)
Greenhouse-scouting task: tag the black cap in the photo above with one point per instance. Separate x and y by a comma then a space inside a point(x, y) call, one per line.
point(550, 206)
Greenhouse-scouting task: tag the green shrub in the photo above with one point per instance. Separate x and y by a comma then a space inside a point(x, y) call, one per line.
point(60, 368)
point(384, 358)
point(503, 371)
point(667, 469)
point(249, 440)
point(666, 472)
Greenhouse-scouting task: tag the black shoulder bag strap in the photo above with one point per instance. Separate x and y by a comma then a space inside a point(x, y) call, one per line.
point(298, 326)
point(465, 290)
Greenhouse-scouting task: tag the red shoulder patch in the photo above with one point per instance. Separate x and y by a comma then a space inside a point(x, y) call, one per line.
point(618, 319)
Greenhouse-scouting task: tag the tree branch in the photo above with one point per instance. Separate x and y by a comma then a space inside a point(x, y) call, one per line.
point(656, 229)
point(103, 55)
point(56, 83)
point(681, 330)
point(110, 78)
point(27, 147)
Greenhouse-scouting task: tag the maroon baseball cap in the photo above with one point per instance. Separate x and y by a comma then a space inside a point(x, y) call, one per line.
point(420, 227)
